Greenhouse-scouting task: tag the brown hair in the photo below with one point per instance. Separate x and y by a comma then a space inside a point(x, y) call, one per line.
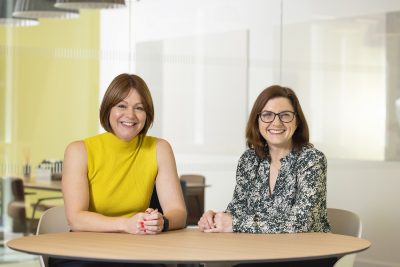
point(117, 91)
point(254, 138)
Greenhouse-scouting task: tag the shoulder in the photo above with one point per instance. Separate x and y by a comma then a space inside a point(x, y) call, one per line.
point(249, 156)
point(164, 149)
point(149, 140)
point(76, 147)
point(312, 153)
point(164, 152)
point(76, 151)
point(248, 160)
point(311, 156)
point(161, 144)
point(249, 153)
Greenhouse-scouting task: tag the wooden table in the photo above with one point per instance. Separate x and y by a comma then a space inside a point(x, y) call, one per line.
point(43, 185)
point(189, 246)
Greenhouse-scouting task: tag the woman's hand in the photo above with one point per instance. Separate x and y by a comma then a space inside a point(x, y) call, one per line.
point(219, 222)
point(206, 221)
point(148, 222)
point(222, 223)
point(153, 222)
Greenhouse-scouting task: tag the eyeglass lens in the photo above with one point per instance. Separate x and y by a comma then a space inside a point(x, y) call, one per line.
point(269, 116)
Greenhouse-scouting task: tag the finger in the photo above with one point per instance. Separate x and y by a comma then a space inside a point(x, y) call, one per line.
point(149, 210)
point(153, 222)
point(210, 221)
point(201, 225)
point(141, 232)
point(152, 233)
point(212, 230)
point(155, 228)
point(140, 225)
point(206, 226)
point(154, 218)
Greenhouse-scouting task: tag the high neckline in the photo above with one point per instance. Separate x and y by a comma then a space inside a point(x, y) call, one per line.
point(122, 143)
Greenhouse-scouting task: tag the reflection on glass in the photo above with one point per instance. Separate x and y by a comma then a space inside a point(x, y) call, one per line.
point(341, 73)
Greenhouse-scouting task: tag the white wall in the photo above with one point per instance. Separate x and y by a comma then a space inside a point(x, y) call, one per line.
point(370, 189)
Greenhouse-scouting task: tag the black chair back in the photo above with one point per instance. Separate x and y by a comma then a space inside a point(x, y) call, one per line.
point(155, 203)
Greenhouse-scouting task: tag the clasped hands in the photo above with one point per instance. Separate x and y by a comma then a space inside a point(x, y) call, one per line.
point(215, 222)
point(149, 222)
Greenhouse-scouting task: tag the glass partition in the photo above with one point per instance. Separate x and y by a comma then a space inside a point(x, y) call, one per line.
point(342, 62)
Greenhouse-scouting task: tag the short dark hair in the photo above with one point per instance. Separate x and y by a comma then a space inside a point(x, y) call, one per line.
point(117, 91)
point(255, 140)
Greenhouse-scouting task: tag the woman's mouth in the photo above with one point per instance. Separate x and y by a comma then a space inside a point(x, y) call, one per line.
point(128, 124)
point(276, 131)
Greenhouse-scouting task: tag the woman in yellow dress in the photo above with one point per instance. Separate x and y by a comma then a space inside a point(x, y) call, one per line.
point(108, 178)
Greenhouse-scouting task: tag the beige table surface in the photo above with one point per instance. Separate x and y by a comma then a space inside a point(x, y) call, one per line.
point(190, 246)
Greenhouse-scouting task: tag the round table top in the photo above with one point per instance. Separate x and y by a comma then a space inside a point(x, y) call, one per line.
point(190, 245)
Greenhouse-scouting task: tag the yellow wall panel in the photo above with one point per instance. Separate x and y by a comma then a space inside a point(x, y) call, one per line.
point(53, 72)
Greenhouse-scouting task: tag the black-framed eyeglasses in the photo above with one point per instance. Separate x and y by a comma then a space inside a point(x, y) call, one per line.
point(284, 116)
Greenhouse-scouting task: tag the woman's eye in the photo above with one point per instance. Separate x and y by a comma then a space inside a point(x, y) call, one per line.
point(121, 106)
point(140, 108)
point(267, 115)
point(285, 115)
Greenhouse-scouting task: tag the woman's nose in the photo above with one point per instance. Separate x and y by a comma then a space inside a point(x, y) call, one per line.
point(131, 112)
point(276, 121)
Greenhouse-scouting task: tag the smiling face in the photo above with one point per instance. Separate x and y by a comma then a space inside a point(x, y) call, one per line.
point(128, 117)
point(277, 133)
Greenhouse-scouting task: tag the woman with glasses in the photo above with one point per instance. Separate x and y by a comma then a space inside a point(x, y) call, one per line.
point(281, 177)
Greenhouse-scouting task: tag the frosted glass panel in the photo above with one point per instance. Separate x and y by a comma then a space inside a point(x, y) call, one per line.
point(341, 65)
point(201, 90)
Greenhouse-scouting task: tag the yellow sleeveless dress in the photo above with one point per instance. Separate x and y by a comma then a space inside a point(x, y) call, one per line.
point(121, 174)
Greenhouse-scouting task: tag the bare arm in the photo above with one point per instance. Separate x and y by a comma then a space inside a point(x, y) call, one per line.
point(76, 197)
point(168, 186)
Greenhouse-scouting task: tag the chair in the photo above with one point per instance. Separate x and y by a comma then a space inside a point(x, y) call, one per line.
point(16, 209)
point(345, 222)
point(52, 220)
point(155, 203)
point(17, 205)
point(40, 206)
point(195, 196)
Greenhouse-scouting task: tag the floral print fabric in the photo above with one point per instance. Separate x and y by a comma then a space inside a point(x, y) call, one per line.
point(298, 202)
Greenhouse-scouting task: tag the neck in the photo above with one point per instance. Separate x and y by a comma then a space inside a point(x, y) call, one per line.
point(277, 153)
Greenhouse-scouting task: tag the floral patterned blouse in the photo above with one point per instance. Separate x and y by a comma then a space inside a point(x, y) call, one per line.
point(298, 202)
